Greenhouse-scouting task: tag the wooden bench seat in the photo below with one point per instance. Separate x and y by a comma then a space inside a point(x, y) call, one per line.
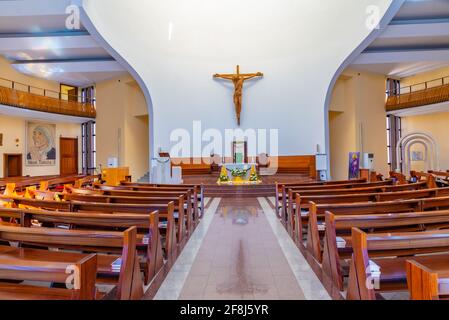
point(148, 239)
point(282, 189)
point(183, 212)
point(197, 191)
point(302, 203)
point(340, 226)
point(27, 292)
point(393, 270)
point(428, 279)
point(36, 265)
point(316, 215)
point(129, 283)
point(122, 191)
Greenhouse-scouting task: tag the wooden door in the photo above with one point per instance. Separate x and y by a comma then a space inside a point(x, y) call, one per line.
point(12, 165)
point(73, 95)
point(68, 156)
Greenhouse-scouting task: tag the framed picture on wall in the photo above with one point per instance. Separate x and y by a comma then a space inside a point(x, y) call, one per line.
point(354, 165)
point(40, 144)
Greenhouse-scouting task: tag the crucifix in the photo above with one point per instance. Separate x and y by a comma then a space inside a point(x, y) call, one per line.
point(238, 79)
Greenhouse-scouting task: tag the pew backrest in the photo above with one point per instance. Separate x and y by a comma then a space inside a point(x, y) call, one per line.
point(100, 241)
point(363, 244)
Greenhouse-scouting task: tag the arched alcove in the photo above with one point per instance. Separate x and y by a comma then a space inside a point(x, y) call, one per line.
point(386, 19)
point(404, 151)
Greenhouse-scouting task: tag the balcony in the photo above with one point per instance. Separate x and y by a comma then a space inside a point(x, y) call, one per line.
point(23, 96)
point(421, 94)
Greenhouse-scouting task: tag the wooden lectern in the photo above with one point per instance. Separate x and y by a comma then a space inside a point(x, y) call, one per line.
point(113, 176)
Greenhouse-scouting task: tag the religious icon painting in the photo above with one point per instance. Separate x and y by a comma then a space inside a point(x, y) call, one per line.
point(40, 144)
point(354, 165)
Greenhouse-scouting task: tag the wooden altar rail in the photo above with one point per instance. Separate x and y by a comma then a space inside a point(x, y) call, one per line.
point(430, 94)
point(23, 96)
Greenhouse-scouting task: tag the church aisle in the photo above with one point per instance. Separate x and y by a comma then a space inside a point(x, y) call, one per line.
point(244, 257)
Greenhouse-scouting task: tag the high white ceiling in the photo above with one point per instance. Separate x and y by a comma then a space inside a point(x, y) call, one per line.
point(34, 37)
point(416, 41)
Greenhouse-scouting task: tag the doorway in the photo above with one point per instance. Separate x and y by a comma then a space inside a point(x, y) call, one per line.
point(68, 156)
point(12, 165)
point(69, 93)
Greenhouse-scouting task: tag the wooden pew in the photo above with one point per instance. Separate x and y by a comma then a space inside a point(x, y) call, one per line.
point(129, 285)
point(377, 194)
point(398, 177)
point(25, 264)
point(166, 212)
point(340, 226)
point(198, 188)
point(130, 191)
point(152, 246)
point(317, 215)
point(283, 207)
point(393, 271)
point(182, 214)
point(302, 204)
point(38, 204)
point(425, 283)
point(281, 187)
point(443, 174)
point(147, 225)
point(125, 196)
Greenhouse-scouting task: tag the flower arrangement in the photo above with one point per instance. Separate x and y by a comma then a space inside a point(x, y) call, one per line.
point(239, 172)
point(223, 175)
point(253, 177)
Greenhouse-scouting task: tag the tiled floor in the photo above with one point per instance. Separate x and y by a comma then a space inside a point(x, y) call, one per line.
point(244, 255)
point(240, 258)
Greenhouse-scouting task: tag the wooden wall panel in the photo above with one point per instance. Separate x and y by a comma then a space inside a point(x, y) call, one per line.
point(286, 164)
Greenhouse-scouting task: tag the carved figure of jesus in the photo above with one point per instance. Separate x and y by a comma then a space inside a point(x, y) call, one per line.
point(238, 79)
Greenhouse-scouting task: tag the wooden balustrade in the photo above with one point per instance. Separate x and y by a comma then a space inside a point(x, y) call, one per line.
point(32, 101)
point(419, 98)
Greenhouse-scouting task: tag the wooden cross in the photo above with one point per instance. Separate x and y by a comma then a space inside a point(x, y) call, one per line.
point(238, 79)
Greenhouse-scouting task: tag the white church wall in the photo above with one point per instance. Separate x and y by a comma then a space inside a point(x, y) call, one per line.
point(175, 47)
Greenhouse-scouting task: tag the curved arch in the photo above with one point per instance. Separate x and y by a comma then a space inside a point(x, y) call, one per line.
point(417, 136)
point(93, 31)
point(386, 19)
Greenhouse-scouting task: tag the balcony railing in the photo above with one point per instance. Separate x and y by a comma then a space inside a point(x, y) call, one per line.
point(421, 94)
point(24, 96)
